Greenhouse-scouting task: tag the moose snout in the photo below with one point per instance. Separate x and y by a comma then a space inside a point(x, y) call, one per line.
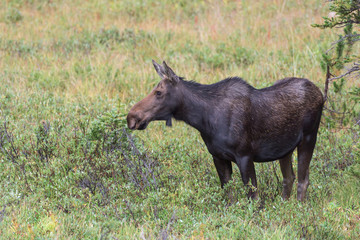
point(136, 120)
point(131, 120)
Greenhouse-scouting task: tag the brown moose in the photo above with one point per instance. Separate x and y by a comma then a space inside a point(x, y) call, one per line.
point(240, 123)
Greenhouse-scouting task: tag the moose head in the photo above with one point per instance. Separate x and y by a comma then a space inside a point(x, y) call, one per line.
point(159, 104)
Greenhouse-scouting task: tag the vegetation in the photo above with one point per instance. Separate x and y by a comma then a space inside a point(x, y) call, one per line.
point(345, 14)
point(339, 61)
point(70, 169)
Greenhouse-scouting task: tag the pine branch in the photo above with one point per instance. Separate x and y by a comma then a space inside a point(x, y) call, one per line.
point(354, 68)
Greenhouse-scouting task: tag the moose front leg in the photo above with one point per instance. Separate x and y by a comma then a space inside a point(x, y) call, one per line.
point(247, 170)
point(224, 170)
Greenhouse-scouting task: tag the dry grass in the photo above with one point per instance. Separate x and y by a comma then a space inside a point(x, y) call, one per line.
point(264, 27)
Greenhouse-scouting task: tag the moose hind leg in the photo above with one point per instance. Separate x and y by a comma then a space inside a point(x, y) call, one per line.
point(305, 152)
point(224, 170)
point(288, 175)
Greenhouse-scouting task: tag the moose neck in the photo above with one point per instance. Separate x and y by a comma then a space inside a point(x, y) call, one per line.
point(195, 106)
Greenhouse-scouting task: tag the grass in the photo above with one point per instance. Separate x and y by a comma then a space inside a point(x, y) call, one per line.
point(71, 70)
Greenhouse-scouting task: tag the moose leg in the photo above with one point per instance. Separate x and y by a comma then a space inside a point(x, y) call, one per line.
point(288, 175)
point(224, 170)
point(305, 151)
point(247, 170)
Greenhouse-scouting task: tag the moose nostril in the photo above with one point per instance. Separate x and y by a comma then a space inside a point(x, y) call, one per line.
point(131, 121)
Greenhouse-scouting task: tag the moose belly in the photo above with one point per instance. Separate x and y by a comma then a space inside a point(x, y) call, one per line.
point(272, 149)
point(218, 148)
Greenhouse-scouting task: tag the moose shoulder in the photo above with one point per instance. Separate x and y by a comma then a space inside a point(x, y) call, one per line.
point(240, 123)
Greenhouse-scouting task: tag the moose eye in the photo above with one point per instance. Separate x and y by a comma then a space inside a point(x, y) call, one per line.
point(158, 93)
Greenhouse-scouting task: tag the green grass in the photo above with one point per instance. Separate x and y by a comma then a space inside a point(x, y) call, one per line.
point(69, 169)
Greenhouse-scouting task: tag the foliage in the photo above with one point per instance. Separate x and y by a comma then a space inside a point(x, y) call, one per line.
point(344, 14)
point(13, 15)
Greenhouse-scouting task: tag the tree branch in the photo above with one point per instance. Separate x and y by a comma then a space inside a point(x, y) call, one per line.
point(355, 68)
point(342, 39)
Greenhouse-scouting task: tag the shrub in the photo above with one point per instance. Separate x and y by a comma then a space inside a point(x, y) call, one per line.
point(13, 15)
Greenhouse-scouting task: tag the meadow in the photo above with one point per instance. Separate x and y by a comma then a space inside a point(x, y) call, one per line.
point(69, 167)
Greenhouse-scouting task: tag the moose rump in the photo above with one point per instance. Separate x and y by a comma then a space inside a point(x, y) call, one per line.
point(240, 123)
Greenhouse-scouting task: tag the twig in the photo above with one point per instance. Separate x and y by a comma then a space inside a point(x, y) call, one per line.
point(164, 233)
point(2, 213)
point(131, 212)
point(355, 68)
point(342, 39)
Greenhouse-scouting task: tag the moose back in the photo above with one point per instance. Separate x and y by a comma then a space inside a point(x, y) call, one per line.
point(240, 123)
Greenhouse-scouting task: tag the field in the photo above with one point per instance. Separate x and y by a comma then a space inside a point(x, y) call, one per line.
point(69, 167)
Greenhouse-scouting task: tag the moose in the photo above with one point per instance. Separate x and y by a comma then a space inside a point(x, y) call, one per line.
point(240, 123)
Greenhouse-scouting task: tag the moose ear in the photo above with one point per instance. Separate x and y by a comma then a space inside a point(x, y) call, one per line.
point(159, 69)
point(169, 73)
